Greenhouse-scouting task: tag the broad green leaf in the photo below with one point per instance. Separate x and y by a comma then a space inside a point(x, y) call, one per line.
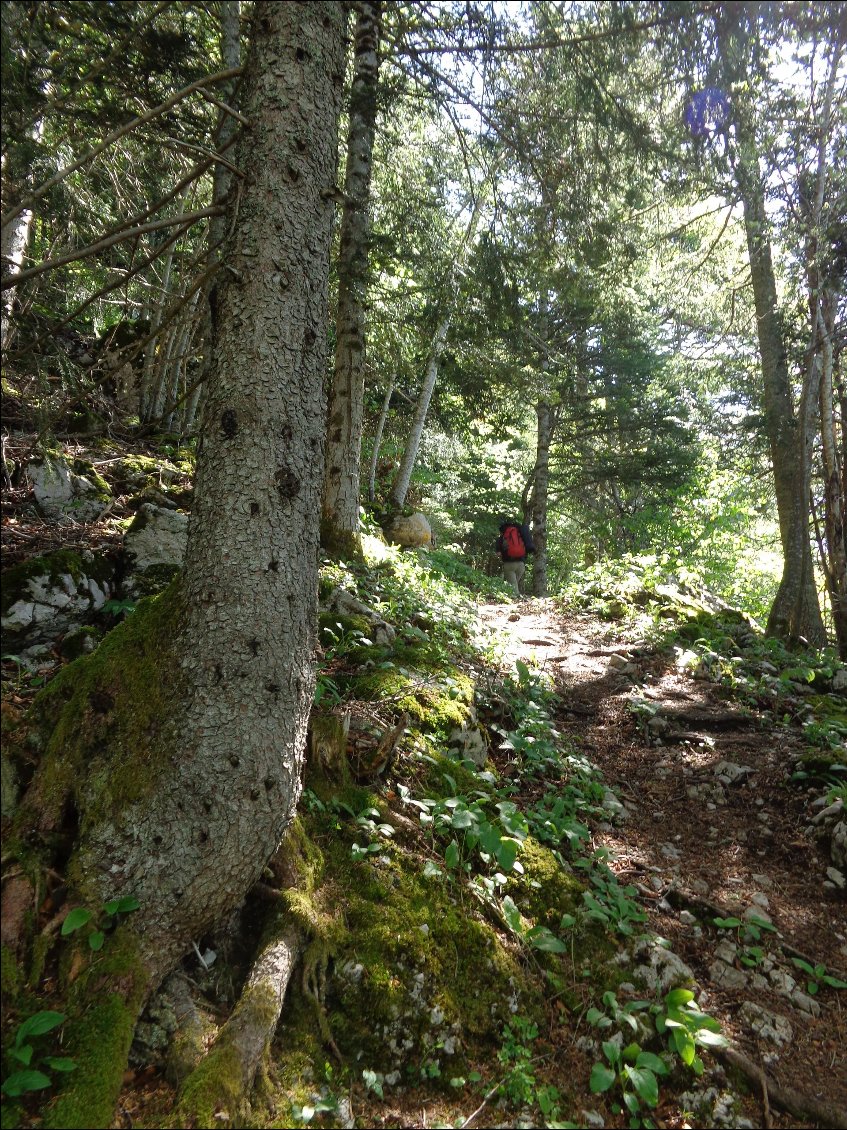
point(546, 941)
point(462, 818)
point(37, 1025)
point(512, 915)
point(506, 854)
point(611, 1051)
point(20, 1082)
point(727, 923)
point(653, 1062)
point(602, 1078)
point(77, 918)
point(678, 997)
point(60, 1063)
point(645, 1084)
point(96, 940)
point(684, 1045)
point(711, 1039)
point(451, 855)
point(23, 1054)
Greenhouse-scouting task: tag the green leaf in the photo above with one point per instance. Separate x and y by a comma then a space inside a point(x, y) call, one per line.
point(512, 915)
point(506, 854)
point(60, 1063)
point(546, 941)
point(38, 1024)
point(653, 1062)
point(611, 1051)
point(77, 918)
point(451, 855)
point(683, 1045)
point(645, 1083)
point(432, 870)
point(23, 1054)
point(125, 904)
point(711, 1039)
point(462, 818)
point(678, 997)
point(602, 1078)
point(96, 940)
point(727, 923)
point(20, 1082)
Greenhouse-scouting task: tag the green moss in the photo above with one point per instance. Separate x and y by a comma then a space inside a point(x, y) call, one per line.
point(404, 957)
point(438, 702)
point(213, 1086)
point(54, 566)
point(104, 1005)
point(154, 579)
point(104, 717)
point(88, 470)
point(80, 642)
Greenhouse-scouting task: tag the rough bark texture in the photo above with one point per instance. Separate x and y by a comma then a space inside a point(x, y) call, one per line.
point(201, 835)
point(340, 508)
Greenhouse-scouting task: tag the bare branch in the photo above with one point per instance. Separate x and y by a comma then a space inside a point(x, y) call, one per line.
point(186, 219)
point(156, 112)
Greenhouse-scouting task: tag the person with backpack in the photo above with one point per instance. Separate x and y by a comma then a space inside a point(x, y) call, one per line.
point(513, 545)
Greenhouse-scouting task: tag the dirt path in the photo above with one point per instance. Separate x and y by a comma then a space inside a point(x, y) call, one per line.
point(709, 828)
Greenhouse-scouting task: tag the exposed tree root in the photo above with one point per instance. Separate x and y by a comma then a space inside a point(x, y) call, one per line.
point(801, 1106)
point(222, 1082)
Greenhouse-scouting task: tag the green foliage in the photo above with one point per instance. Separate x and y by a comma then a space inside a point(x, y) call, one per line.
point(29, 1078)
point(818, 976)
point(109, 919)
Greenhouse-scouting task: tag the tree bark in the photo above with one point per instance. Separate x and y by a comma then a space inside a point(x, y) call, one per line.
point(404, 475)
point(341, 488)
point(541, 485)
point(380, 428)
point(795, 614)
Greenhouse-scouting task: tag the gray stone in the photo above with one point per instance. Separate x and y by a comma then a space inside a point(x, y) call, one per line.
point(468, 741)
point(836, 877)
point(347, 604)
point(62, 493)
point(838, 846)
point(660, 969)
point(728, 773)
point(839, 680)
point(805, 1003)
point(726, 976)
point(783, 982)
point(50, 602)
point(156, 537)
point(765, 1024)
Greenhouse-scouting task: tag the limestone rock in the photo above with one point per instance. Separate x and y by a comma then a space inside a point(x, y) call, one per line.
point(155, 548)
point(45, 596)
point(414, 531)
point(660, 969)
point(469, 742)
point(766, 1025)
point(346, 604)
point(65, 492)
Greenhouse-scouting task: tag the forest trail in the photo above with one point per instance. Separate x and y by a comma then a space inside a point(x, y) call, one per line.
point(708, 828)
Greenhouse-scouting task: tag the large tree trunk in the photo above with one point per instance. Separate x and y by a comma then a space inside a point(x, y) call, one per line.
point(340, 506)
point(192, 775)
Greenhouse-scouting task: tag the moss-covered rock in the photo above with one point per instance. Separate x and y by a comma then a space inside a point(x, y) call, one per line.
point(43, 596)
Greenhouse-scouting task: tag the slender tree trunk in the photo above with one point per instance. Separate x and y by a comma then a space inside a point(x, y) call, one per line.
point(834, 484)
point(380, 428)
point(796, 612)
point(341, 489)
point(404, 475)
point(544, 415)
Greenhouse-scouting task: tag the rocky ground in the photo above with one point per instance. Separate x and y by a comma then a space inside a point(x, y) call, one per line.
point(711, 829)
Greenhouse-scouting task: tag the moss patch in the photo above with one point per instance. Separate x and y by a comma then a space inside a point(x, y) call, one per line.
point(102, 720)
point(64, 562)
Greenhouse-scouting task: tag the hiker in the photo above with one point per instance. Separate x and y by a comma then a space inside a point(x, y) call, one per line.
point(513, 545)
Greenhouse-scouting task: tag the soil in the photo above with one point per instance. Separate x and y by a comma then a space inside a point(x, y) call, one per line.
point(697, 850)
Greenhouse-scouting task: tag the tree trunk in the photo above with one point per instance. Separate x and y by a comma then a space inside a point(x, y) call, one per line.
point(341, 488)
point(380, 428)
point(413, 443)
point(192, 775)
point(541, 477)
point(795, 613)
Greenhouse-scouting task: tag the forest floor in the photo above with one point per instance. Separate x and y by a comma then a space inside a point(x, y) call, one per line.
point(699, 846)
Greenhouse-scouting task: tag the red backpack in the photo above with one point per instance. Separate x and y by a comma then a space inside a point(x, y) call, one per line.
point(513, 544)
